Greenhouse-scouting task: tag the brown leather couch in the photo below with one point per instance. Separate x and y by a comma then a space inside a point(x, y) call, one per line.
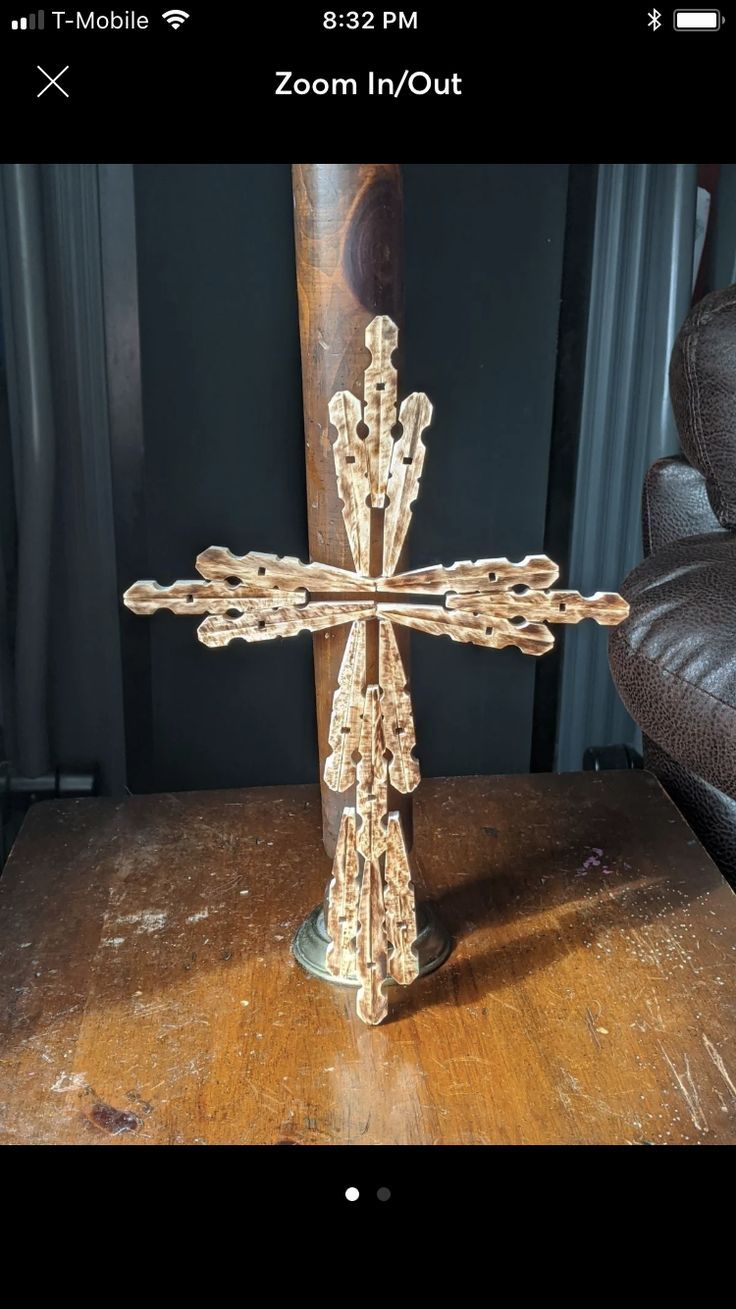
point(674, 658)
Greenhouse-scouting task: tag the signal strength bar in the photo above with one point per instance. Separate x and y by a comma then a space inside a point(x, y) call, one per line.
point(33, 23)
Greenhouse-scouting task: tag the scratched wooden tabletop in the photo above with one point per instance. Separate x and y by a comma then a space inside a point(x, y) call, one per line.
point(149, 994)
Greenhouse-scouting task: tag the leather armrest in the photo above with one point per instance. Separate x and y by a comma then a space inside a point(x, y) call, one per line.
point(674, 504)
point(673, 659)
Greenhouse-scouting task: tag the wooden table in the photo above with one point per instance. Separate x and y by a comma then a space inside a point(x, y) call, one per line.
point(149, 994)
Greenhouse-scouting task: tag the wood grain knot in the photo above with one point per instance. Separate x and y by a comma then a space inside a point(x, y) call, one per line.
point(373, 236)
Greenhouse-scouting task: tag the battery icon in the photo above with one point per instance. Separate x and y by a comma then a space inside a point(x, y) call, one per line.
point(697, 20)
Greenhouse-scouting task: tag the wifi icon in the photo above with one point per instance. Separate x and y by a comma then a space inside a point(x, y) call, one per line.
point(175, 17)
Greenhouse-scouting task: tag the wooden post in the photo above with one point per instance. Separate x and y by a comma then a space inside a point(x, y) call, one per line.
point(348, 222)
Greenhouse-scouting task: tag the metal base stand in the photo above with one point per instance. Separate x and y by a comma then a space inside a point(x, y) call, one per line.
point(311, 942)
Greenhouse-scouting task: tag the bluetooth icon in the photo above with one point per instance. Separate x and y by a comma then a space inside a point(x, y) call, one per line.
point(654, 18)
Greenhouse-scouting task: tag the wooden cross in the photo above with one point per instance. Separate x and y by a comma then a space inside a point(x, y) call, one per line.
point(371, 918)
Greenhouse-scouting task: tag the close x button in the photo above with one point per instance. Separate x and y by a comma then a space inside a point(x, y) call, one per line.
point(52, 81)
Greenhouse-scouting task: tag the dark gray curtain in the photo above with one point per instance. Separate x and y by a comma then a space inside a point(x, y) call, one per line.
point(59, 623)
point(640, 293)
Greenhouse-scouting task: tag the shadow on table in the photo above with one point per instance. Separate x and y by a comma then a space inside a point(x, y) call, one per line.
point(577, 911)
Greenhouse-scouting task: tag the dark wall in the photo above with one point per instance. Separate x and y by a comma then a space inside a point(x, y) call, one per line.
point(224, 460)
point(224, 444)
point(484, 268)
point(724, 235)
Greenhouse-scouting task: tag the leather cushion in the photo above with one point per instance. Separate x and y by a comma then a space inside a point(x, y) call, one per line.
point(703, 391)
point(674, 504)
point(674, 658)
